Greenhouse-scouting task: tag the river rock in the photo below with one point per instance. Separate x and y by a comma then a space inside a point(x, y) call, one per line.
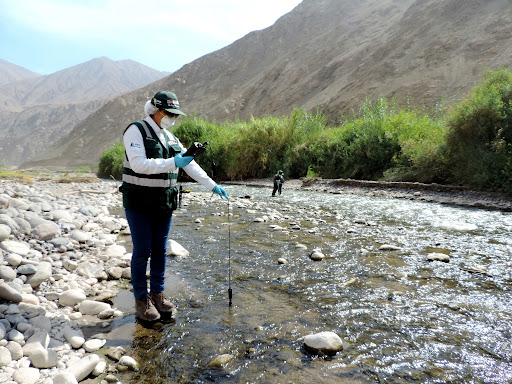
point(89, 210)
point(41, 322)
point(60, 214)
point(13, 259)
point(74, 337)
point(44, 272)
point(80, 236)
point(72, 297)
point(91, 307)
point(115, 250)
point(129, 362)
point(92, 345)
point(4, 203)
point(15, 349)
point(83, 368)
point(39, 340)
point(3, 330)
point(389, 247)
point(328, 343)
point(26, 375)
point(317, 255)
point(24, 225)
point(70, 265)
point(26, 269)
point(9, 293)
point(46, 231)
point(5, 356)
point(7, 273)
point(282, 260)
point(115, 353)
point(221, 361)
point(176, 249)
point(16, 335)
point(44, 358)
point(5, 231)
point(115, 272)
point(12, 246)
point(60, 242)
point(65, 377)
point(437, 256)
point(100, 368)
point(94, 270)
point(9, 221)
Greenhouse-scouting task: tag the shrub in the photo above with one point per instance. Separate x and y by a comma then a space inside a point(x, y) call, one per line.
point(480, 134)
point(111, 162)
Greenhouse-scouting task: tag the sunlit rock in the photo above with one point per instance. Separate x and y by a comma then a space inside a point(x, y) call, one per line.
point(316, 255)
point(436, 256)
point(389, 247)
point(323, 343)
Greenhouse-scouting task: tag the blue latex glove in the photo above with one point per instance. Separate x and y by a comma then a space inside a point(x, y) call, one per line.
point(182, 161)
point(220, 191)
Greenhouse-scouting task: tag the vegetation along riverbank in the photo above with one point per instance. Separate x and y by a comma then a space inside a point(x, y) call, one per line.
point(466, 144)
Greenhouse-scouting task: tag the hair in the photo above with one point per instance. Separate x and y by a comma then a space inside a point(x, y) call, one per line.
point(149, 108)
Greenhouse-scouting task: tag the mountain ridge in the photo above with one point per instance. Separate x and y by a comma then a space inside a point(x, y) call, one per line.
point(48, 107)
point(11, 73)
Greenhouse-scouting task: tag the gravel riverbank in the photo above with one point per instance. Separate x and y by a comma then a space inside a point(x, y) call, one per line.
point(60, 268)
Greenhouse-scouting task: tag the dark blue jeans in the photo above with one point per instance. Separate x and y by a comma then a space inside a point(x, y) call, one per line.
point(149, 238)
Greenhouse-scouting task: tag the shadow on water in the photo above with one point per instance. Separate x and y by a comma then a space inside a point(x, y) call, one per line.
point(403, 319)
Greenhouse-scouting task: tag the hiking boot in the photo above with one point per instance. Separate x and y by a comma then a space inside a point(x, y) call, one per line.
point(145, 309)
point(161, 303)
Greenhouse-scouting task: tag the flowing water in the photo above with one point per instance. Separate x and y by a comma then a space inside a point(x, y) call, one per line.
point(403, 319)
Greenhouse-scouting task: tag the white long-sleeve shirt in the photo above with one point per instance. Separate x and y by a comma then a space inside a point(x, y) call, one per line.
point(134, 146)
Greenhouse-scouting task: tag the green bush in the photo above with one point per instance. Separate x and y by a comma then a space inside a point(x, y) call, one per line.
point(111, 162)
point(480, 135)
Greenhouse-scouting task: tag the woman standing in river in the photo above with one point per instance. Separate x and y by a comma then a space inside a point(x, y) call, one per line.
point(153, 157)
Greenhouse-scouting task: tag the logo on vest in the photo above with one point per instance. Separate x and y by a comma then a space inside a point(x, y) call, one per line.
point(135, 145)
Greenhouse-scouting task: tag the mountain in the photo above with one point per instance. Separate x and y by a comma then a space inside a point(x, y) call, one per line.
point(327, 55)
point(11, 73)
point(44, 109)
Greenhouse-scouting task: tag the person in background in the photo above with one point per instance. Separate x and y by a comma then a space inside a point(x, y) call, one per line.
point(278, 182)
point(153, 157)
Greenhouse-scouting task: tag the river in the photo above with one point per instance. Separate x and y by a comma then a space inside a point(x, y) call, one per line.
point(403, 318)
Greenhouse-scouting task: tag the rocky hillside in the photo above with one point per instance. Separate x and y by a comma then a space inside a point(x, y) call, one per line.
point(326, 54)
point(11, 73)
point(38, 111)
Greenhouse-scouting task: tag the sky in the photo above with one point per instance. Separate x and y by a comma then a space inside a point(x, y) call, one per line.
point(46, 36)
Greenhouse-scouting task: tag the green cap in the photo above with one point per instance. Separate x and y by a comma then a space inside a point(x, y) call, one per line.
point(167, 100)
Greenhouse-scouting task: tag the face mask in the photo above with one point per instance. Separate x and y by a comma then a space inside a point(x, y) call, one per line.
point(167, 122)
